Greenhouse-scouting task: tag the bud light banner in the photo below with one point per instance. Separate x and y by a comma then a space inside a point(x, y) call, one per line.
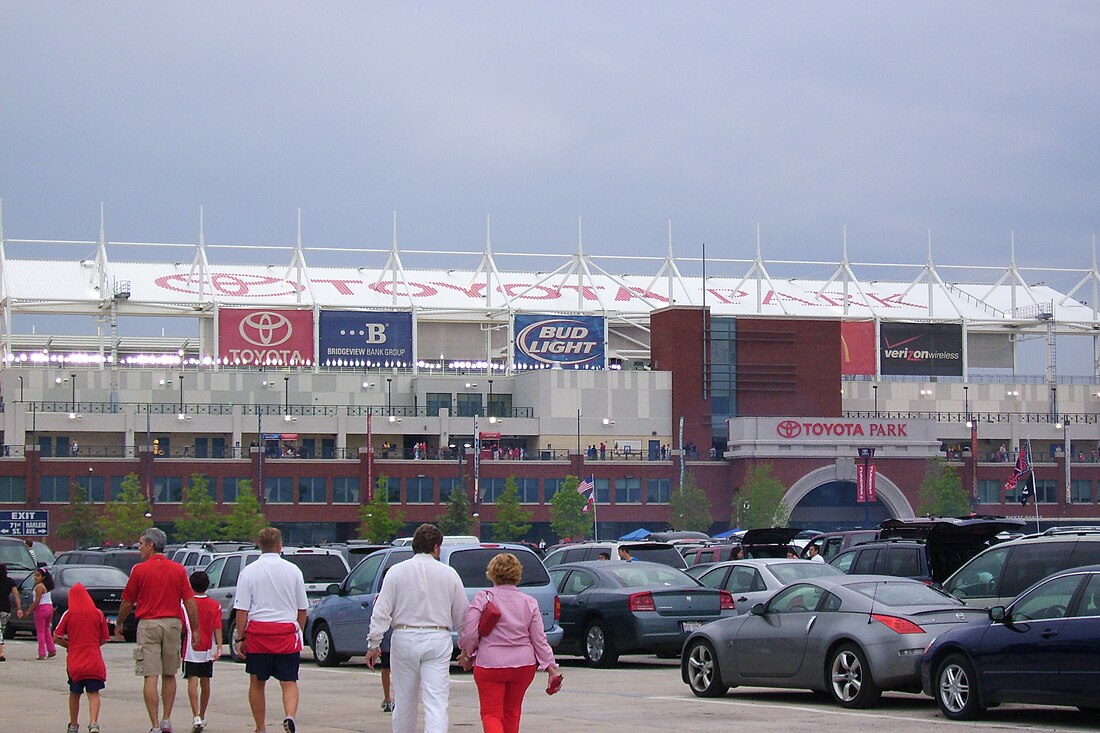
point(365, 338)
point(921, 349)
point(575, 342)
point(265, 337)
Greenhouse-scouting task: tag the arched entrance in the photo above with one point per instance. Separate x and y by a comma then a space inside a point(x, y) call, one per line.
point(820, 500)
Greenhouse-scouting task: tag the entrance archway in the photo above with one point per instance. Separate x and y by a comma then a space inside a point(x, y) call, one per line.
point(819, 500)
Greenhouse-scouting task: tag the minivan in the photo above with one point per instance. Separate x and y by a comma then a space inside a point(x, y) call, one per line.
point(661, 552)
point(337, 627)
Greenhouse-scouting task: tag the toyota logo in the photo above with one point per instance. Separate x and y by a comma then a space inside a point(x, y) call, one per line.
point(788, 429)
point(265, 328)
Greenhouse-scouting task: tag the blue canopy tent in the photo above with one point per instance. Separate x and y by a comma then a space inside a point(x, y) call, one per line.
point(728, 533)
point(639, 534)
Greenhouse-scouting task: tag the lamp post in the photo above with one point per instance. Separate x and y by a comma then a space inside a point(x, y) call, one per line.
point(286, 396)
point(260, 493)
point(491, 411)
point(389, 395)
point(874, 391)
point(1066, 456)
point(72, 379)
point(20, 387)
point(183, 412)
point(578, 430)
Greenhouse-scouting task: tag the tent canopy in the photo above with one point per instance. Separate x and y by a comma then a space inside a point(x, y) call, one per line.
point(728, 533)
point(639, 534)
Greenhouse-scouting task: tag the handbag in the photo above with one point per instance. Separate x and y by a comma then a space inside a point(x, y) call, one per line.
point(489, 616)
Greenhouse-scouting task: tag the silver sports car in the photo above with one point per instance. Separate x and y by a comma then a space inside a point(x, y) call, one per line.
point(852, 636)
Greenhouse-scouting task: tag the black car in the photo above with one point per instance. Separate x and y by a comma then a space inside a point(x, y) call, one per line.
point(611, 607)
point(104, 583)
point(15, 555)
point(1042, 649)
point(116, 557)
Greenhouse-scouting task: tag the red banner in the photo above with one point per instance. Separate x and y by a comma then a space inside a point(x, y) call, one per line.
point(865, 476)
point(857, 348)
point(269, 337)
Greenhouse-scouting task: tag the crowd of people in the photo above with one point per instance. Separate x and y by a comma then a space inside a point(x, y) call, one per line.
point(501, 636)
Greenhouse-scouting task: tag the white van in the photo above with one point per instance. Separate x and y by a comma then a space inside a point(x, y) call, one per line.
point(453, 539)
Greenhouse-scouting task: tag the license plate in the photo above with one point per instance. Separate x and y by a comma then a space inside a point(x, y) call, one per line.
point(688, 626)
point(313, 601)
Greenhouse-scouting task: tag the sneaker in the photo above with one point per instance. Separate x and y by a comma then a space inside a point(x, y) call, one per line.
point(93, 727)
point(75, 729)
point(387, 706)
point(166, 726)
point(289, 726)
point(197, 725)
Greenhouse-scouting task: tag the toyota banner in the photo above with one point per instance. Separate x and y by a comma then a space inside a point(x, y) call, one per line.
point(365, 338)
point(265, 337)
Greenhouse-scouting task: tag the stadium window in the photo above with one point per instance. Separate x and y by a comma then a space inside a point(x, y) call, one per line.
point(603, 491)
point(1046, 491)
point(989, 491)
point(312, 490)
point(628, 490)
point(419, 490)
point(95, 487)
point(447, 485)
point(230, 487)
point(54, 489)
point(491, 489)
point(279, 489)
point(13, 490)
point(658, 490)
point(1080, 491)
point(168, 489)
point(528, 490)
point(345, 490)
point(550, 486)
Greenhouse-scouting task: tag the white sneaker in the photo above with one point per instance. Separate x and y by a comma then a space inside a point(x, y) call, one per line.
point(197, 725)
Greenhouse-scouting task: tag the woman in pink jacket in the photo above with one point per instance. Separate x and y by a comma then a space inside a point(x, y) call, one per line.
point(505, 660)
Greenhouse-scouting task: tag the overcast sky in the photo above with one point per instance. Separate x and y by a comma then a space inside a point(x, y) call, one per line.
point(972, 120)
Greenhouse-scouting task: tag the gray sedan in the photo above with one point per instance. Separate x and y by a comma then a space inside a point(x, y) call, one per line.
point(753, 581)
point(852, 636)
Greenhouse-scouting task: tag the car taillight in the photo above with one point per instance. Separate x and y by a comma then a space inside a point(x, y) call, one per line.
point(725, 601)
point(641, 602)
point(557, 608)
point(899, 625)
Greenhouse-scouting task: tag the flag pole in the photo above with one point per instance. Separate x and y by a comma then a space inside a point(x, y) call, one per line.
point(595, 524)
point(1035, 500)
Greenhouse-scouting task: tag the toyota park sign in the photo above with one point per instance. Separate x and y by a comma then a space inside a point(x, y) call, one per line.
point(816, 428)
point(265, 337)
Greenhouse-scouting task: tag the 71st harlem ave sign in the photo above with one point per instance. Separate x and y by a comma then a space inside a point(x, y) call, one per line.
point(25, 523)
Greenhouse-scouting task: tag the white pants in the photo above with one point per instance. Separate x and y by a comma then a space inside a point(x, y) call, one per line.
point(420, 663)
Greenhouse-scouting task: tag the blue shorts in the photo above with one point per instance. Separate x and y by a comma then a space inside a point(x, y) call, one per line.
point(283, 667)
point(86, 686)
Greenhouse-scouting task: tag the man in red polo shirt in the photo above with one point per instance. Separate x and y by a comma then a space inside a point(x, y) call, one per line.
point(156, 587)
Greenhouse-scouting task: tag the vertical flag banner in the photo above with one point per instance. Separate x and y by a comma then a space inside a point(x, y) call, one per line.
point(865, 476)
point(1023, 467)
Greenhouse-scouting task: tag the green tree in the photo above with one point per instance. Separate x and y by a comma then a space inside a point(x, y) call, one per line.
point(759, 503)
point(689, 508)
point(567, 516)
point(513, 521)
point(127, 515)
point(457, 518)
point(81, 523)
point(941, 492)
point(247, 519)
point(200, 519)
point(378, 520)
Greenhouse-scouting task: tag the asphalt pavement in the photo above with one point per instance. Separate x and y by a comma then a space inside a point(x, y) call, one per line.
point(643, 694)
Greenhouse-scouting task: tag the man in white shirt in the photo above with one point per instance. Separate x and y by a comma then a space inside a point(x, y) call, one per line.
point(814, 554)
point(271, 610)
point(421, 600)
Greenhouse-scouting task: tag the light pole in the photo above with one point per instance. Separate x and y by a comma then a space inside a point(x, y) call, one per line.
point(183, 412)
point(1066, 456)
point(491, 411)
point(874, 391)
point(20, 387)
point(72, 379)
point(578, 430)
point(389, 395)
point(260, 493)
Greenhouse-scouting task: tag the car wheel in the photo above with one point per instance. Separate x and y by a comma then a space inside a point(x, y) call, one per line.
point(850, 682)
point(957, 689)
point(599, 648)
point(232, 640)
point(323, 650)
point(703, 676)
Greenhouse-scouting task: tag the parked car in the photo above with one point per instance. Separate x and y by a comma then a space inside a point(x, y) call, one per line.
point(122, 558)
point(104, 583)
point(753, 581)
point(675, 536)
point(829, 544)
point(1004, 571)
point(711, 553)
point(355, 550)
point(320, 568)
point(852, 636)
point(454, 539)
point(768, 541)
point(659, 552)
point(14, 554)
point(612, 608)
point(1043, 649)
point(337, 627)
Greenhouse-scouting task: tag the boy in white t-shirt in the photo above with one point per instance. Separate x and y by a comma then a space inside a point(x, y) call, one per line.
point(198, 661)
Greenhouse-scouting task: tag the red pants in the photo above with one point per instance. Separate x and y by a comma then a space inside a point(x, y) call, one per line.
point(501, 691)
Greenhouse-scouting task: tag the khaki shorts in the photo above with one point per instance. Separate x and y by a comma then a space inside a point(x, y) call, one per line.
point(4, 616)
point(157, 651)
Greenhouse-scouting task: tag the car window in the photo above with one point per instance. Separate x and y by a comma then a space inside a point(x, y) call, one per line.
point(124, 561)
point(714, 578)
point(557, 577)
point(656, 553)
point(865, 562)
point(215, 571)
point(902, 593)
point(192, 557)
point(843, 561)
point(789, 572)
point(903, 561)
point(833, 545)
point(1036, 562)
point(100, 576)
point(1047, 601)
point(1090, 598)
point(799, 598)
point(744, 579)
point(633, 575)
point(16, 556)
point(362, 577)
point(830, 603)
point(395, 557)
point(577, 582)
point(554, 558)
point(1085, 553)
point(231, 572)
point(65, 558)
point(471, 563)
point(319, 568)
point(979, 578)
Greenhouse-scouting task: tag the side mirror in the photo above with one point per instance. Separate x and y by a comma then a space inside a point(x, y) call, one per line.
point(757, 609)
point(998, 614)
point(332, 589)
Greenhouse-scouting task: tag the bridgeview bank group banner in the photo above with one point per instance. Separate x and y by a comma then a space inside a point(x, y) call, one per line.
point(365, 338)
point(265, 337)
point(571, 342)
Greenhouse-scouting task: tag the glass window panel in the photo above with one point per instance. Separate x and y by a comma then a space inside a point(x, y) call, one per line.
point(230, 487)
point(658, 490)
point(279, 489)
point(1080, 491)
point(54, 489)
point(628, 490)
point(420, 490)
point(312, 490)
point(13, 489)
point(345, 490)
point(550, 486)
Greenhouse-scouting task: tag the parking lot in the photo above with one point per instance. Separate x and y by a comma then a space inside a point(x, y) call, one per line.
point(643, 694)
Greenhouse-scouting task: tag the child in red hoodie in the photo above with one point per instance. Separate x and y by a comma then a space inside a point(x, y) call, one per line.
point(198, 660)
point(82, 630)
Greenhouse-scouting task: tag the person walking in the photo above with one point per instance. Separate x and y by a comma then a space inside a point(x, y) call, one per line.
point(505, 659)
point(421, 599)
point(8, 592)
point(41, 611)
point(271, 607)
point(157, 587)
point(198, 659)
point(82, 630)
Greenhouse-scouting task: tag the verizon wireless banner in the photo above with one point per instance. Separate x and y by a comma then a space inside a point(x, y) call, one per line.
point(265, 337)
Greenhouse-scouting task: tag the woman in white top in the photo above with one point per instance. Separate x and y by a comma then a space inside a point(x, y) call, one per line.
point(42, 611)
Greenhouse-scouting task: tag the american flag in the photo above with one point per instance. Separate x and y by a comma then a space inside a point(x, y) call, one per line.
point(586, 485)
